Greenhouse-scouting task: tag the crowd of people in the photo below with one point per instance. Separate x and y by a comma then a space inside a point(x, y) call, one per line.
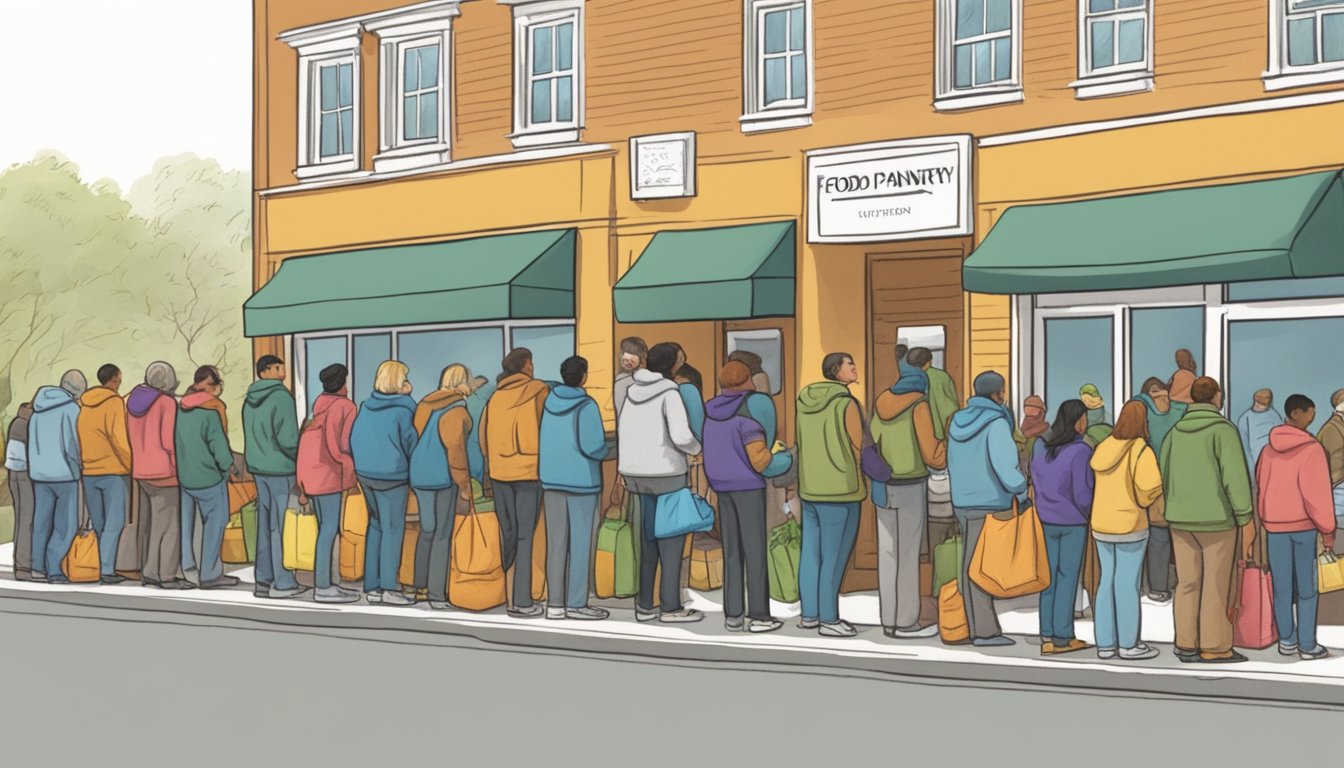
point(1168, 479)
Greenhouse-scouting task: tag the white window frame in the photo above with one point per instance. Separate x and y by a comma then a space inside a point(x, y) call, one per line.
point(792, 113)
point(1280, 75)
point(426, 24)
point(1117, 79)
point(948, 97)
point(318, 47)
point(526, 15)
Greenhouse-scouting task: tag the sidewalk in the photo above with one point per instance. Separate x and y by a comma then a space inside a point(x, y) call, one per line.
point(1267, 678)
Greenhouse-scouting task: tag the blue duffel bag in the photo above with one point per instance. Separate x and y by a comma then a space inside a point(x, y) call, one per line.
point(681, 512)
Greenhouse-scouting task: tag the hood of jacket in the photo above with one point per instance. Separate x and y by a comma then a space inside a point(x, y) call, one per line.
point(649, 386)
point(517, 390)
point(141, 399)
point(815, 398)
point(1147, 400)
point(326, 401)
point(1287, 439)
point(978, 414)
point(51, 398)
point(381, 402)
point(1111, 452)
point(1200, 417)
point(891, 405)
point(441, 398)
point(92, 398)
point(200, 400)
point(565, 399)
point(726, 405)
point(260, 390)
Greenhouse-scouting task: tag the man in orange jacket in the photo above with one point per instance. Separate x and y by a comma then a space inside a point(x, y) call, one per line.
point(105, 452)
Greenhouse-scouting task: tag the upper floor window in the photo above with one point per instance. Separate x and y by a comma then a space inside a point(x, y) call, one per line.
point(777, 72)
point(1115, 44)
point(979, 53)
point(335, 109)
point(329, 103)
point(1306, 43)
point(548, 71)
point(415, 78)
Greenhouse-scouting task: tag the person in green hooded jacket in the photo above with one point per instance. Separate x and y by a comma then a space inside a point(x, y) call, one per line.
point(271, 446)
point(1208, 498)
point(204, 464)
point(830, 437)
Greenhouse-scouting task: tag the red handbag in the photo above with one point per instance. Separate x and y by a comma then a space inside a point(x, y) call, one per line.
point(1253, 615)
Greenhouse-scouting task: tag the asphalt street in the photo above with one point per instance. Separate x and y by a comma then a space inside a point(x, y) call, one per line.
point(108, 687)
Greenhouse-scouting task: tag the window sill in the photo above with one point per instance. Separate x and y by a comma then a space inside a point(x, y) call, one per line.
point(528, 139)
point(409, 158)
point(1278, 81)
point(975, 99)
point(1099, 86)
point(343, 168)
point(761, 122)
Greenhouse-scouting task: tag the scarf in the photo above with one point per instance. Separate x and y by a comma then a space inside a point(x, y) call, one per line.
point(912, 380)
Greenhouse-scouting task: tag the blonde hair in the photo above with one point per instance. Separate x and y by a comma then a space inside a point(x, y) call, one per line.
point(457, 378)
point(391, 378)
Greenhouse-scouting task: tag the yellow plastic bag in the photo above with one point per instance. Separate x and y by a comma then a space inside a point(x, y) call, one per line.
point(1009, 559)
point(1330, 573)
point(299, 537)
point(354, 527)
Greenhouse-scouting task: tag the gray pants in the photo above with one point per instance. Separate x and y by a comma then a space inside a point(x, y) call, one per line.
point(570, 520)
point(434, 546)
point(980, 616)
point(160, 534)
point(1159, 559)
point(518, 507)
point(900, 537)
point(742, 522)
point(21, 488)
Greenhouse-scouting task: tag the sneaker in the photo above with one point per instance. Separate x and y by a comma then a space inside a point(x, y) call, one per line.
point(1160, 597)
point(115, 578)
point(735, 625)
point(760, 626)
point(57, 580)
point(375, 597)
point(530, 612)
point(261, 590)
point(286, 594)
point(587, 613)
point(1138, 652)
point(1319, 653)
point(40, 578)
point(809, 623)
point(334, 595)
point(838, 629)
point(1075, 644)
point(397, 598)
point(683, 616)
point(221, 582)
point(555, 614)
point(997, 641)
point(23, 574)
point(1106, 653)
point(177, 584)
point(643, 615)
point(1232, 657)
point(440, 605)
point(912, 633)
point(1288, 649)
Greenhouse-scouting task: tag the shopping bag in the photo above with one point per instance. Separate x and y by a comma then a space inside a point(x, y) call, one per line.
point(539, 560)
point(298, 536)
point(953, 628)
point(784, 552)
point(947, 559)
point(614, 568)
point(1009, 559)
point(409, 539)
point(233, 549)
point(1253, 619)
point(940, 487)
point(247, 518)
point(681, 512)
point(80, 564)
point(476, 576)
point(354, 527)
point(1330, 573)
point(240, 494)
point(1157, 513)
point(706, 563)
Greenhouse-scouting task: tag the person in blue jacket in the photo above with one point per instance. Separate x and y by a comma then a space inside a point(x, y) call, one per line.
point(382, 441)
point(573, 446)
point(55, 468)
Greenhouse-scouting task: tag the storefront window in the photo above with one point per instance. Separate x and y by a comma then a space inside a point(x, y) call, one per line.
point(550, 346)
point(371, 350)
point(318, 354)
point(427, 353)
point(1155, 335)
point(1079, 351)
point(769, 345)
point(1289, 356)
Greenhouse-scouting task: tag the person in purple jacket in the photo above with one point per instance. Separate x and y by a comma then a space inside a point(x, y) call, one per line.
point(737, 461)
point(1063, 480)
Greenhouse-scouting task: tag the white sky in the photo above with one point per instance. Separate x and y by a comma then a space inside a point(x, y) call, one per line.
point(117, 85)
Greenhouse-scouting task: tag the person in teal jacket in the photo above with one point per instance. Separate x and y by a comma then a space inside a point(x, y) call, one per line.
point(1163, 413)
point(692, 388)
point(573, 446)
point(270, 448)
point(204, 463)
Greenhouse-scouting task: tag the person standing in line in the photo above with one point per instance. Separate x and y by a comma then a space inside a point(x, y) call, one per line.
point(271, 446)
point(1034, 424)
point(382, 439)
point(151, 420)
point(21, 491)
point(54, 464)
point(1208, 498)
point(510, 436)
point(1180, 382)
point(1128, 482)
point(943, 398)
point(325, 471)
point(986, 475)
point(573, 446)
point(105, 446)
point(760, 403)
point(634, 354)
point(655, 444)
point(1256, 423)
point(1162, 415)
point(204, 464)
point(1293, 480)
point(831, 486)
point(1331, 437)
point(440, 478)
point(1064, 486)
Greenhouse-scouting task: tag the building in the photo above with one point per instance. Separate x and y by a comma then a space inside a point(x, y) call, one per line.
point(443, 180)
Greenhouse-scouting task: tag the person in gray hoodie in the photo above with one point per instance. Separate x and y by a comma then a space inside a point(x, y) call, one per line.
point(55, 466)
point(21, 491)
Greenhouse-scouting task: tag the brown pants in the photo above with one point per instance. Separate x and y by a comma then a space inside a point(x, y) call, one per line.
point(1204, 568)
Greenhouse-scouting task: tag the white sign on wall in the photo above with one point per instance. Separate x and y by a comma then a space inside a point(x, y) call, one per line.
point(662, 166)
point(898, 190)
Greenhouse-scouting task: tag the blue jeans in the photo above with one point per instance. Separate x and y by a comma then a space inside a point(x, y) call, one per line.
point(570, 518)
point(272, 499)
point(55, 518)
point(383, 540)
point(328, 508)
point(1118, 614)
point(214, 506)
point(107, 497)
point(1064, 548)
point(1292, 566)
point(829, 531)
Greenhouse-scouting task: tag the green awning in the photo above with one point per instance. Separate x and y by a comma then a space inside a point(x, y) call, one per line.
point(522, 276)
point(726, 273)
point(1261, 230)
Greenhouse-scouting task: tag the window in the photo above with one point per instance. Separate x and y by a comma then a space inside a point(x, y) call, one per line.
point(329, 98)
point(777, 76)
point(370, 351)
point(1155, 333)
point(979, 53)
point(415, 69)
point(769, 346)
point(1079, 351)
point(550, 346)
point(336, 110)
point(1306, 43)
point(1282, 290)
point(1285, 356)
point(1115, 41)
point(427, 353)
point(930, 337)
point(318, 353)
point(548, 71)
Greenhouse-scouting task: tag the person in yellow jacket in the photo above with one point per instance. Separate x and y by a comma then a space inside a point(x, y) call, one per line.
point(105, 453)
point(1128, 482)
point(510, 437)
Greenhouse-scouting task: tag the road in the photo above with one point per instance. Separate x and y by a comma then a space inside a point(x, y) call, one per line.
point(85, 686)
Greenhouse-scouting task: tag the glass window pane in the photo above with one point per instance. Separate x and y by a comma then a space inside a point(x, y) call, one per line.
point(328, 77)
point(410, 69)
point(970, 18)
point(318, 354)
point(564, 47)
point(775, 85)
point(1285, 357)
point(429, 66)
point(330, 139)
point(347, 131)
point(1132, 41)
point(541, 101)
point(1102, 44)
point(564, 99)
point(542, 57)
point(1003, 58)
point(410, 118)
point(962, 67)
point(371, 350)
point(1132, 3)
point(775, 32)
point(429, 115)
point(1098, 6)
point(427, 353)
point(347, 85)
point(1154, 337)
point(998, 15)
point(1302, 42)
point(984, 60)
point(550, 347)
point(798, 83)
point(1079, 351)
point(796, 29)
point(1272, 290)
point(1332, 37)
